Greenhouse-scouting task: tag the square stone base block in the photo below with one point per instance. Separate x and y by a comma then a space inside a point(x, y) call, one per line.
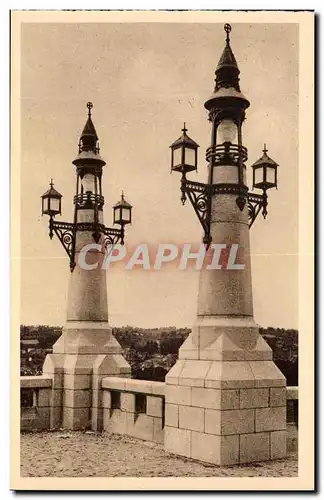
point(75, 401)
point(220, 374)
point(225, 450)
point(76, 418)
point(231, 340)
point(225, 412)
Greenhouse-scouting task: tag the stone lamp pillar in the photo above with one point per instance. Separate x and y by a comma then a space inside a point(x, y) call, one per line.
point(225, 397)
point(87, 350)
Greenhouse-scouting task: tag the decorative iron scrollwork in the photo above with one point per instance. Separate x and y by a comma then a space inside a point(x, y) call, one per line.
point(66, 233)
point(89, 200)
point(226, 154)
point(113, 236)
point(199, 195)
point(256, 203)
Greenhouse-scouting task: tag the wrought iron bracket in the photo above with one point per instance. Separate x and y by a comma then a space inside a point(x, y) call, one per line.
point(200, 196)
point(113, 235)
point(66, 233)
point(256, 203)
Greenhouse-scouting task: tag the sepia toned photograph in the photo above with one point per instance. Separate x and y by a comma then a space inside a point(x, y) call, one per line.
point(161, 214)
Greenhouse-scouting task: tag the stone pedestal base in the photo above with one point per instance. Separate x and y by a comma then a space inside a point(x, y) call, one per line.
point(225, 411)
point(83, 355)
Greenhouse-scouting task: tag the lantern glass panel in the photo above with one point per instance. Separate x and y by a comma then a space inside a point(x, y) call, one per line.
point(116, 215)
point(177, 157)
point(271, 175)
point(190, 157)
point(126, 214)
point(258, 175)
point(88, 183)
point(44, 206)
point(227, 131)
point(54, 204)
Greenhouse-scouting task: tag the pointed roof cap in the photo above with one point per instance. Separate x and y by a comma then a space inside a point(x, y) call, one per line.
point(88, 144)
point(265, 159)
point(122, 202)
point(184, 139)
point(52, 192)
point(89, 128)
point(227, 58)
point(227, 90)
point(227, 71)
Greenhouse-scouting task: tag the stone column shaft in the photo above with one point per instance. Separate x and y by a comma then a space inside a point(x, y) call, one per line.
point(87, 350)
point(225, 397)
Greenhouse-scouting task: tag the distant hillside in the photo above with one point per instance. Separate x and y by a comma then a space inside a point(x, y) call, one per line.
point(152, 352)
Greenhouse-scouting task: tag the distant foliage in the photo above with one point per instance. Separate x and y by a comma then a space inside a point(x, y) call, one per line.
point(152, 352)
point(284, 344)
point(33, 357)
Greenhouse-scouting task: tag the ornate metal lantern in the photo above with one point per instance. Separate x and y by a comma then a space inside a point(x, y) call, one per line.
point(51, 201)
point(184, 153)
point(88, 200)
point(122, 212)
point(265, 172)
point(226, 156)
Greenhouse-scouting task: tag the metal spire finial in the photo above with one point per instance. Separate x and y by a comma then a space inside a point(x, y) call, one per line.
point(227, 29)
point(89, 106)
point(52, 183)
point(265, 148)
point(184, 130)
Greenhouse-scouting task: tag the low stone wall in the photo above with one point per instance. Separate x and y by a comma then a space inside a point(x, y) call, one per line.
point(35, 395)
point(292, 405)
point(292, 418)
point(134, 407)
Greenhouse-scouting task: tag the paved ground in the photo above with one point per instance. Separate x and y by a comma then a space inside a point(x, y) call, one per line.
point(72, 454)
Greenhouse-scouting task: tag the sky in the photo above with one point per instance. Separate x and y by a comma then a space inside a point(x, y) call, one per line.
point(145, 80)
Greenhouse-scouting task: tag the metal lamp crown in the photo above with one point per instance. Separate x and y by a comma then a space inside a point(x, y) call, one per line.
point(88, 196)
point(226, 109)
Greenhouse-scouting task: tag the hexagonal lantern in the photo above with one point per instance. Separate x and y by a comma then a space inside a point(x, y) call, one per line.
point(184, 153)
point(51, 201)
point(265, 172)
point(122, 212)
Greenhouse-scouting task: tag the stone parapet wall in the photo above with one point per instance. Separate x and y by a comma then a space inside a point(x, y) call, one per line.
point(134, 407)
point(226, 412)
point(36, 393)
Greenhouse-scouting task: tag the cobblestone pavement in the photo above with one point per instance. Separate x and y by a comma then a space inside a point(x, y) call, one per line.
point(75, 454)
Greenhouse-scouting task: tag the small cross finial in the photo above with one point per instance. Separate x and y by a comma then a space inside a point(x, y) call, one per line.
point(51, 183)
point(89, 106)
point(227, 29)
point(265, 148)
point(184, 130)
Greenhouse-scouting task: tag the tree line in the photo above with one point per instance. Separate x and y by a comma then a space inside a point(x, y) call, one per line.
point(152, 352)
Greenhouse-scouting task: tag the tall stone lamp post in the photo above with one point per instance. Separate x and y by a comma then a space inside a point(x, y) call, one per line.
point(87, 349)
point(225, 397)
